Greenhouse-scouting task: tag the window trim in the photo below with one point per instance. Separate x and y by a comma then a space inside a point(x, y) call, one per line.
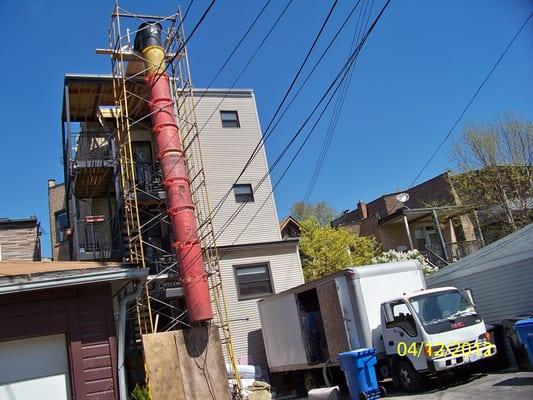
point(250, 198)
point(237, 119)
point(241, 297)
point(400, 325)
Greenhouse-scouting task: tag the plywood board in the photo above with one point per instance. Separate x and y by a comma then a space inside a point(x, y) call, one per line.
point(186, 365)
point(333, 319)
point(163, 366)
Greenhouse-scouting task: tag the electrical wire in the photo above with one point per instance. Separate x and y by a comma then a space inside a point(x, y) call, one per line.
point(267, 134)
point(470, 102)
point(287, 92)
point(250, 59)
point(336, 82)
point(328, 138)
point(230, 56)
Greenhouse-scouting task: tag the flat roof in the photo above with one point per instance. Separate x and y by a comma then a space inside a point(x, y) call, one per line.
point(86, 92)
point(17, 220)
point(21, 276)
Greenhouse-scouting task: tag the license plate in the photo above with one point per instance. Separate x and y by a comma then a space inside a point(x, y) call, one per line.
point(474, 356)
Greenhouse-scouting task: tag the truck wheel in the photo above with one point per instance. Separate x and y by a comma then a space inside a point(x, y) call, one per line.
point(408, 378)
point(309, 381)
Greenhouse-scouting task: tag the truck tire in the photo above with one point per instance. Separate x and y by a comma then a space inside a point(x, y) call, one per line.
point(407, 376)
point(308, 380)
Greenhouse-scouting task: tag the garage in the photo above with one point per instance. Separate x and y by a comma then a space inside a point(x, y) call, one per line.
point(35, 368)
point(57, 336)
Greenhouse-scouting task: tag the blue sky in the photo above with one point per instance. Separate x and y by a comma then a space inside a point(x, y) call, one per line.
point(415, 74)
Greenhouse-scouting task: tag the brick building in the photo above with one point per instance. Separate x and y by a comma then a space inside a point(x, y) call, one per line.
point(412, 220)
point(20, 239)
point(58, 214)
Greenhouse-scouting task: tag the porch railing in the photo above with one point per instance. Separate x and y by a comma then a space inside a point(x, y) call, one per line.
point(95, 239)
point(454, 250)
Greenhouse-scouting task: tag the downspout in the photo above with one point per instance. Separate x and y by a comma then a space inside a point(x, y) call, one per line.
point(177, 185)
point(123, 303)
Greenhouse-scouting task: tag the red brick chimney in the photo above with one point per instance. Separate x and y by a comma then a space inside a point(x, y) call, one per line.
point(361, 206)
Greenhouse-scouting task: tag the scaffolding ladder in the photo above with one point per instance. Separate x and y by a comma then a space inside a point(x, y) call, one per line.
point(131, 102)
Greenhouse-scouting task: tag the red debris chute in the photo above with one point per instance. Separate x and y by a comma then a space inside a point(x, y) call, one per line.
point(171, 158)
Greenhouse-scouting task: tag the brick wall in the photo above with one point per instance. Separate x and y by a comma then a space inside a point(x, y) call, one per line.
point(56, 202)
point(20, 241)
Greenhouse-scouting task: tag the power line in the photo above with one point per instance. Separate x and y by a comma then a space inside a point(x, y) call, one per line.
point(472, 99)
point(328, 138)
point(178, 51)
point(262, 141)
point(215, 109)
point(257, 49)
point(236, 47)
point(310, 73)
point(243, 37)
point(336, 84)
point(344, 70)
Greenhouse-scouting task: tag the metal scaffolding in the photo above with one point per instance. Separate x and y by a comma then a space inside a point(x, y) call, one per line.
point(143, 195)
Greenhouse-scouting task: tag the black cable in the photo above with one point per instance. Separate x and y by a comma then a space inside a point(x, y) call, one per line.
point(265, 38)
point(472, 99)
point(337, 110)
point(186, 13)
point(262, 141)
point(178, 51)
point(344, 70)
point(235, 48)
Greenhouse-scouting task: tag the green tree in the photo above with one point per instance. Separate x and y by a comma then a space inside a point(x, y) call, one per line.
point(494, 171)
point(321, 211)
point(325, 249)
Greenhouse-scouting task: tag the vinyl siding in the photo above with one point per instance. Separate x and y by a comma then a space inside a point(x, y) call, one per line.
point(225, 152)
point(500, 292)
point(286, 273)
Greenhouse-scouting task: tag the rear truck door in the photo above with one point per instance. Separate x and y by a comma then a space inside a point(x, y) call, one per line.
point(333, 319)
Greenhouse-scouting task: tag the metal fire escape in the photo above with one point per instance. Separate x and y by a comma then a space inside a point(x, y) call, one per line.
point(131, 113)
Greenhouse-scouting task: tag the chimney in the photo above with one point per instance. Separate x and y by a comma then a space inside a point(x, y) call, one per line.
point(361, 206)
point(51, 183)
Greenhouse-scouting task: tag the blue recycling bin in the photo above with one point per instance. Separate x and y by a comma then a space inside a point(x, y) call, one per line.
point(358, 367)
point(524, 328)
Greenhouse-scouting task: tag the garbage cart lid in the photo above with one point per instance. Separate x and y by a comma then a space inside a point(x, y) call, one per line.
point(364, 352)
point(525, 322)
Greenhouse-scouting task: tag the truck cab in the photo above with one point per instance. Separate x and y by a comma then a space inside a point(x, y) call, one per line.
point(429, 331)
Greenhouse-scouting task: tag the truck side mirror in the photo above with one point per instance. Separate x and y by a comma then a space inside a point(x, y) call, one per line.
point(468, 293)
point(387, 309)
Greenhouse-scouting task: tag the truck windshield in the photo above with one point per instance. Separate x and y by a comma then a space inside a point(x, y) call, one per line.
point(436, 307)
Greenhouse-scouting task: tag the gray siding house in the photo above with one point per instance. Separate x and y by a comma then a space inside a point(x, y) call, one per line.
point(500, 276)
point(255, 261)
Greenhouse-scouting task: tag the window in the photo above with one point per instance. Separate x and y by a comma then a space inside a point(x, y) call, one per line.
point(402, 318)
point(61, 225)
point(253, 281)
point(230, 119)
point(243, 192)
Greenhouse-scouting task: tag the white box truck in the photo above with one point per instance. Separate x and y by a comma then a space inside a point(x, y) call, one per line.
point(415, 331)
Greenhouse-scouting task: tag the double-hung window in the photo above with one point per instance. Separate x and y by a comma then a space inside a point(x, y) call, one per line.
point(230, 119)
point(243, 192)
point(253, 281)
